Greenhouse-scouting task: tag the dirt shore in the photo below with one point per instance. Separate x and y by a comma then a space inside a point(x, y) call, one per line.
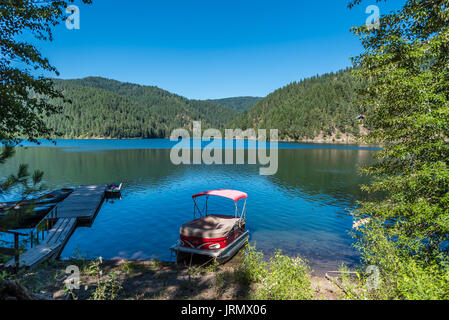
point(148, 279)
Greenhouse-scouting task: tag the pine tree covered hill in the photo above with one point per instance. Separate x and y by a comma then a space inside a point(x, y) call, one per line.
point(324, 106)
point(239, 104)
point(108, 108)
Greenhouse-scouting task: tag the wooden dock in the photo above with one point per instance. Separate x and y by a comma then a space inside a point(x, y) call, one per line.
point(83, 203)
point(52, 245)
point(81, 206)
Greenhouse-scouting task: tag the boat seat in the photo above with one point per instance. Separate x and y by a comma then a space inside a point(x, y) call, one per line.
point(213, 226)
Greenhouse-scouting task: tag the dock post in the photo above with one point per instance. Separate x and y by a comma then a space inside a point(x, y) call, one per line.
point(16, 248)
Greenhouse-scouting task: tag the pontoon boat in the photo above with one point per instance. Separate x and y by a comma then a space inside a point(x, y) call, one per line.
point(215, 235)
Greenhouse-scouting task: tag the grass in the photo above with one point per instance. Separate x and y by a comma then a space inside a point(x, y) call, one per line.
point(107, 287)
point(280, 278)
point(135, 267)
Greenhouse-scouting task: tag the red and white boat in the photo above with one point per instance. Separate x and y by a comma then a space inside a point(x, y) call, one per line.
point(219, 236)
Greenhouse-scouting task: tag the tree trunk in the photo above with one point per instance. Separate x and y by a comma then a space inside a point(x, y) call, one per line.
point(12, 290)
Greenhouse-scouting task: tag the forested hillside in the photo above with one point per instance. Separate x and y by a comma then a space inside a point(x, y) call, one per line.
point(239, 104)
point(108, 108)
point(322, 106)
point(319, 106)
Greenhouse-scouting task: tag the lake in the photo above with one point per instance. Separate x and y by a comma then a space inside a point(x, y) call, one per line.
point(303, 209)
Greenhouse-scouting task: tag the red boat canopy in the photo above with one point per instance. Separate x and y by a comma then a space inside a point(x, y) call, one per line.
point(225, 193)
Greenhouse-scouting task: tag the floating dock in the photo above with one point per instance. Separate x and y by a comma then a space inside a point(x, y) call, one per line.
point(83, 203)
point(79, 208)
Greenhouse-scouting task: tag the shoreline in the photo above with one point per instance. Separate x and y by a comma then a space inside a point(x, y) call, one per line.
point(336, 137)
point(303, 141)
point(150, 279)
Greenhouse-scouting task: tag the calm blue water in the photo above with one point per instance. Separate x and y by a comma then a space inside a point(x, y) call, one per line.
point(303, 209)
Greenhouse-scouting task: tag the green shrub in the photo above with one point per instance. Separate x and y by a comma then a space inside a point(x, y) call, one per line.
point(280, 278)
point(402, 274)
point(107, 286)
point(287, 279)
point(252, 269)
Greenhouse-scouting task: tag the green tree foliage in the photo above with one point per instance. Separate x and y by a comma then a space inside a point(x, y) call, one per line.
point(24, 97)
point(406, 66)
point(29, 184)
point(240, 104)
point(321, 104)
point(107, 108)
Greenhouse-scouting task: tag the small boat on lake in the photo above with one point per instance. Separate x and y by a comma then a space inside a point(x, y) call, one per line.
point(218, 236)
point(114, 190)
point(54, 196)
point(26, 213)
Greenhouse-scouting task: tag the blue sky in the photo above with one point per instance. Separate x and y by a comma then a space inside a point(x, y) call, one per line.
point(209, 48)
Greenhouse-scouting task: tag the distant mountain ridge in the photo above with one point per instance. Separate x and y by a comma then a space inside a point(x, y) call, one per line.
point(108, 108)
point(322, 109)
point(240, 104)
